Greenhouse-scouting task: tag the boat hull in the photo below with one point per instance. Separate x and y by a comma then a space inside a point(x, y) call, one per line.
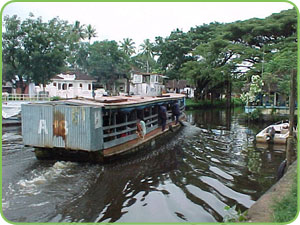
point(152, 140)
point(279, 137)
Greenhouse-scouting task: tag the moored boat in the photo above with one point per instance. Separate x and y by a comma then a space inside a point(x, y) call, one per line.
point(275, 133)
point(94, 130)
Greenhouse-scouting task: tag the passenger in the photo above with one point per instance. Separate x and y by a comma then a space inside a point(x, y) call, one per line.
point(270, 133)
point(163, 116)
point(141, 128)
point(176, 112)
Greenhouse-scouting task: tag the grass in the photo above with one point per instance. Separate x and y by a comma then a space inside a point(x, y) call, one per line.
point(193, 104)
point(286, 209)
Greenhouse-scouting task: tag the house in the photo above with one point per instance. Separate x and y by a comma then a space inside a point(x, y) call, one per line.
point(69, 85)
point(146, 84)
point(270, 96)
point(180, 86)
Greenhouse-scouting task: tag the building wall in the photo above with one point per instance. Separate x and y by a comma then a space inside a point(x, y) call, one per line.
point(153, 86)
point(68, 89)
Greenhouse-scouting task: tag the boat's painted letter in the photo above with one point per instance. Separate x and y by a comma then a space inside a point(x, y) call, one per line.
point(43, 126)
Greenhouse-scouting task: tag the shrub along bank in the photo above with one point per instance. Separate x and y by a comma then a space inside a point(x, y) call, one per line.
point(204, 104)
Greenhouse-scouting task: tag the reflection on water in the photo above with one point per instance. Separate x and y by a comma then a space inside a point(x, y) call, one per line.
point(212, 162)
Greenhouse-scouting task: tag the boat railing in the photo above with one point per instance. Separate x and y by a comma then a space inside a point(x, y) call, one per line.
point(151, 122)
point(120, 134)
point(119, 125)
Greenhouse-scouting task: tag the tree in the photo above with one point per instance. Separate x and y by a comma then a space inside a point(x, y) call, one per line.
point(107, 62)
point(12, 49)
point(127, 46)
point(147, 50)
point(90, 32)
point(81, 56)
point(79, 31)
point(38, 50)
point(173, 52)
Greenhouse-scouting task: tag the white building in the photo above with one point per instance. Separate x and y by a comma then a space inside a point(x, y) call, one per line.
point(69, 85)
point(146, 84)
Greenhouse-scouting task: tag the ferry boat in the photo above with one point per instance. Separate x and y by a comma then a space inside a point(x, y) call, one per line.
point(97, 129)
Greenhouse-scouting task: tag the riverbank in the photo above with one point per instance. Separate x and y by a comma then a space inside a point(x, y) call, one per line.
point(204, 104)
point(262, 210)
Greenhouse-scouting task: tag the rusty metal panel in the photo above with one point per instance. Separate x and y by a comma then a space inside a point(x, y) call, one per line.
point(37, 120)
point(96, 124)
point(78, 131)
point(60, 126)
point(49, 125)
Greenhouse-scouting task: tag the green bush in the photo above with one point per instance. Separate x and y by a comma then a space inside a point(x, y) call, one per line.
point(55, 98)
point(255, 115)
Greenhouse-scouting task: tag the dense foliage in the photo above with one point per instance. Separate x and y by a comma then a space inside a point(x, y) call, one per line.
point(215, 58)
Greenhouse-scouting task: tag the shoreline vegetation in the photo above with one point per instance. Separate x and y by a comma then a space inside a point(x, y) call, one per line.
point(192, 104)
point(256, 116)
point(286, 209)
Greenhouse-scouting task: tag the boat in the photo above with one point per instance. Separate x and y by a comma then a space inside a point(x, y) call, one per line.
point(95, 130)
point(275, 133)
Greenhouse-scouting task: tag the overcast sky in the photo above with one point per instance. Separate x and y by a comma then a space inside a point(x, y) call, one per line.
point(115, 21)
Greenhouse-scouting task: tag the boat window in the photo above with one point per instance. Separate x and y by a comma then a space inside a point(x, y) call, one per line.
point(120, 117)
point(70, 85)
point(90, 87)
point(132, 116)
point(140, 114)
point(147, 112)
point(59, 86)
point(64, 87)
point(108, 118)
point(54, 84)
point(154, 110)
point(80, 85)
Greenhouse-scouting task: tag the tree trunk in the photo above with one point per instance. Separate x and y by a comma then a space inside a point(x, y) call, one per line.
point(228, 94)
point(147, 66)
point(290, 153)
point(128, 86)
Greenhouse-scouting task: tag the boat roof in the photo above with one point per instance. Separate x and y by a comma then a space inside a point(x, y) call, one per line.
point(116, 101)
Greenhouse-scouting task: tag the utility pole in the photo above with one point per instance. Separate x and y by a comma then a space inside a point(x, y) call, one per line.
point(290, 153)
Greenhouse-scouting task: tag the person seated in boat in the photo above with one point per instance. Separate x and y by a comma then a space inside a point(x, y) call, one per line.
point(176, 112)
point(270, 133)
point(285, 126)
point(141, 128)
point(163, 117)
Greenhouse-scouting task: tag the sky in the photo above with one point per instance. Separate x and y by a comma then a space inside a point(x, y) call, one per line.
point(142, 20)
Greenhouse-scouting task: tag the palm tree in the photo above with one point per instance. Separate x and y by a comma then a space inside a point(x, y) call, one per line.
point(147, 50)
point(78, 30)
point(128, 46)
point(90, 32)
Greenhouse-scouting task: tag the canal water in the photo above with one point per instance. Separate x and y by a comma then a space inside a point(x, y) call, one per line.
point(210, 163)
